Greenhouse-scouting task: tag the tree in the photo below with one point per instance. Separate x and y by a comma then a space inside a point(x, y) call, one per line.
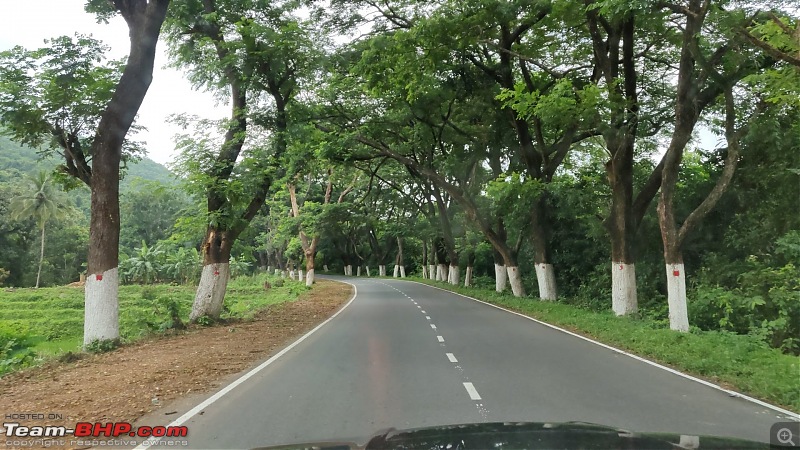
point(88, 111)
point(144, 19)
point(707, 70)
point(260, 53)
point(43, 203)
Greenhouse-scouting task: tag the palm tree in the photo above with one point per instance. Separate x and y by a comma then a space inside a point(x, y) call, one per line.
point(146, 264)
point(41, 202)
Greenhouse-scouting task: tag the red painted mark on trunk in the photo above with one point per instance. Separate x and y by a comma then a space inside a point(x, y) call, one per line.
point(621, 267)
point(216, 272)
point(98, 277)
point(676, 273)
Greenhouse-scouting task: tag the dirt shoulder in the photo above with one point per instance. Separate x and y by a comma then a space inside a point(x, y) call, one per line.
point(142, 378)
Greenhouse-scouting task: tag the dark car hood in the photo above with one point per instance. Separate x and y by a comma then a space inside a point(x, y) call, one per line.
point(528, 435)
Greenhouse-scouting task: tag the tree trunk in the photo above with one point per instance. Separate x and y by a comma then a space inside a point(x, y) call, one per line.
point(620, 226)
point(441, 272)
point(299, 274)
point(210, 294)
point(676, 297)
point(396, 271)
point(400, 261)
point(41, 258)
point(453, 275)
point(424, 259)
point(546, 277)
point(310, 266)
point(101, 310)
point(500, 277)
point(470, 264)
point(540, 232)
point(367, 269)
point(431, 272)
point(358, 271)
point(515, 279)
point(382, 270)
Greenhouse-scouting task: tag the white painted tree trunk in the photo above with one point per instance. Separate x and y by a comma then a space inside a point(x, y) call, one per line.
point(500, 277)
point(468, 277)
point(358, 271)
point(546, 277)
point(310, 277)
point(623, 288)
point(367, 267)
point(299, 274)
point(381, 270)
point(402, 271)
point(101, 311)
point(325, 268)
point(283, 273)
point(291, 274)
point(211, 291)
point(676, 298)
point(515, 279)
point(453, 275)
point(269, 269)
point(441, 272)
point(431, 272)
point(396, 271)
point(277, 272)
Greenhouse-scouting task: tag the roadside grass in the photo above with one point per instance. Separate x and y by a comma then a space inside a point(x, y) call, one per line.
point(742, 363)
point(39, 323)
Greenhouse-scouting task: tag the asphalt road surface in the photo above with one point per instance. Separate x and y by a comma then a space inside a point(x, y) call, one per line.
point(406, 355)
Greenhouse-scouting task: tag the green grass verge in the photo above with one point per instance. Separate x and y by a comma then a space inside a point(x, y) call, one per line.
point(745, 363)
point(49, 321)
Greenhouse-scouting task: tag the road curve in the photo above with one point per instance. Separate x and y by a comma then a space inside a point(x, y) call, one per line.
point(406, 355)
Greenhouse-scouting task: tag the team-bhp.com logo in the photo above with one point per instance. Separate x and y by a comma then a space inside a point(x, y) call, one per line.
point(40, 434)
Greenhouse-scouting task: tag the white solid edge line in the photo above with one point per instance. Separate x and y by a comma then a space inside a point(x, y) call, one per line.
point(451, 357)
point(473, 393)
point(207, 402)
point(791, 415)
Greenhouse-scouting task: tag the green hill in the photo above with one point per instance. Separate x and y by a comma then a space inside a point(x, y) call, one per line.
point(17, 160)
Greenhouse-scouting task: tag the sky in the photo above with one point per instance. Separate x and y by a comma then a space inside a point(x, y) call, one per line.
point(29, 22)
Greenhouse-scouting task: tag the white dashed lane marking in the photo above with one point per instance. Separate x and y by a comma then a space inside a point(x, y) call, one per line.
point(473, 393)
point(440, 338)
point(451, 357)
point(433, 326)
point(428, 317)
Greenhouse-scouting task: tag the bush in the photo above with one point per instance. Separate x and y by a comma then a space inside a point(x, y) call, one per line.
point(102, 345)
point(15, 352)
point(765, 304)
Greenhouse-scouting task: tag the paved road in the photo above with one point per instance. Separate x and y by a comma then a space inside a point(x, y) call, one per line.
point(406, 355)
